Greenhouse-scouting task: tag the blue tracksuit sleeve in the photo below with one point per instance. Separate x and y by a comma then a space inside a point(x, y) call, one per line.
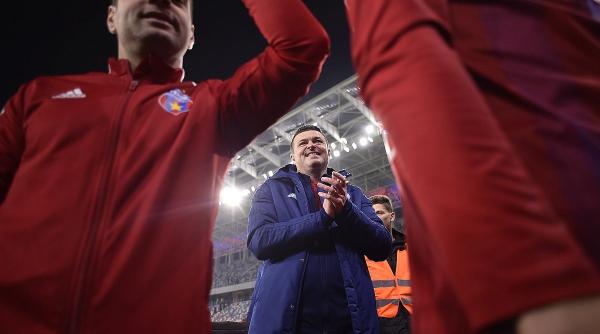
point(368, 232)
point(270, 238)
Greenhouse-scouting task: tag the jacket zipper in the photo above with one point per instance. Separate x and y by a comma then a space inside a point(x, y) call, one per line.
point(85, 273)
point(304, 262)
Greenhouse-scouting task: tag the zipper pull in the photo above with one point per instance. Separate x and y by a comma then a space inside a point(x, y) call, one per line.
point(133, 85)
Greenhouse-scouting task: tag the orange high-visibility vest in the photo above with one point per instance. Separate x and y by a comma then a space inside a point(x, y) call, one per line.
point(390, 289)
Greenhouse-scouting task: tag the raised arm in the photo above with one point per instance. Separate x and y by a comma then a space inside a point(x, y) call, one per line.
point(266, 87)
point(269, 238)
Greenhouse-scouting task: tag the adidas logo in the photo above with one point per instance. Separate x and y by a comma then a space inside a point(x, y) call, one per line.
point(76, 93)
point(292, 195)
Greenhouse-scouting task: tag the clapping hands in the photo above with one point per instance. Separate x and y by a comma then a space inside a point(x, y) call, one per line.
point(335, 193)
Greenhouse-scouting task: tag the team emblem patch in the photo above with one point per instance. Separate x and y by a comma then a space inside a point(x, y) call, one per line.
point(175, 102)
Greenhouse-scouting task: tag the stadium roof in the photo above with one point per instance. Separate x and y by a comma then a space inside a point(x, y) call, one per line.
point(355, 141)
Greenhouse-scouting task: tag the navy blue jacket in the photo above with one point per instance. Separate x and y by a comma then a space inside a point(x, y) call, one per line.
point(282, 228)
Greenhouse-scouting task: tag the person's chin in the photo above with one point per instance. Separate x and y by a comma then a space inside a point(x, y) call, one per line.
point(316, 163)
point(157, 27)
point(159, 34)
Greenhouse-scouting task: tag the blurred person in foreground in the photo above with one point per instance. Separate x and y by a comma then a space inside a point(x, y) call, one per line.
point(109, 181)
point(494, 128)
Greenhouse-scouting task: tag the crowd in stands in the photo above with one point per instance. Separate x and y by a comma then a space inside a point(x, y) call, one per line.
point(235, 273)
point(235, 312)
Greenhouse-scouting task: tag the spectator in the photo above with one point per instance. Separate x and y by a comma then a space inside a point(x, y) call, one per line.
point(314, 278)
point(391, 278)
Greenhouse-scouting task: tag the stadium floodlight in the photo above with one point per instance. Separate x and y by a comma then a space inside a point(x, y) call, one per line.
point(354, 146)
point(363, 141)
point(336, 153)
point(369, 129)
point(231, 196)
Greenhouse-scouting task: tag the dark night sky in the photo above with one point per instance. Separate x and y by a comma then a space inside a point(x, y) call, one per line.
point(70, 36)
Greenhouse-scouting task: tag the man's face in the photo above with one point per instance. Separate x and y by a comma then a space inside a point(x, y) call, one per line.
point(386, 216)
point(160, 27)
point(310, 151)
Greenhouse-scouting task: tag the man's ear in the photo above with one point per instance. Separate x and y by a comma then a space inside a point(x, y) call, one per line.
point(393, 216)
point(292, 157)
point(192, 38)
point(110, 20)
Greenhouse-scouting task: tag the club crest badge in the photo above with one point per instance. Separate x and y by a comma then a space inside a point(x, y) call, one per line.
point(175, 102)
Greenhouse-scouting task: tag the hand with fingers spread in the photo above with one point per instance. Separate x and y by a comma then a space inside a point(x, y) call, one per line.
point(335, 195)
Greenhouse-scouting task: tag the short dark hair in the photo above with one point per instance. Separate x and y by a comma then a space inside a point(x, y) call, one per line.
point(384, 200)
point(304, 128)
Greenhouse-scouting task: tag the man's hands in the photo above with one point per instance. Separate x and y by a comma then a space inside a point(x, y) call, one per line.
point(335, 195)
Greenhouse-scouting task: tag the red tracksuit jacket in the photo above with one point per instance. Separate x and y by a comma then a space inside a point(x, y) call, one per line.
point(109, 183)
point(492, 109)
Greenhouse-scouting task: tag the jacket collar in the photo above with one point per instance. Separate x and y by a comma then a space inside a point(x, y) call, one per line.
point(399, 240)
point(285, 171)
point(290, 169)
point(151, 69)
